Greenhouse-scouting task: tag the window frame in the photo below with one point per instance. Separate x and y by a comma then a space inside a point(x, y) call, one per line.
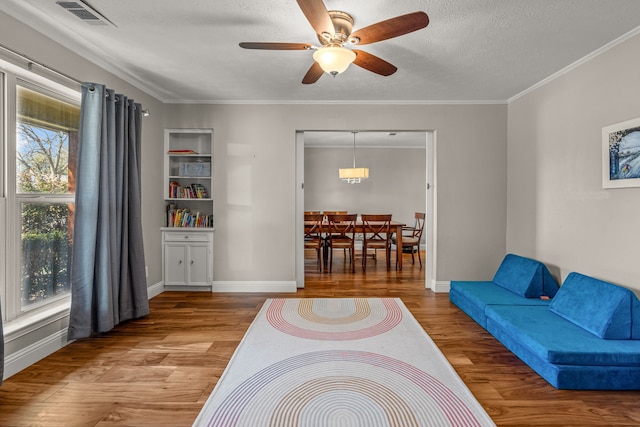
point(3, 199)
point(20, 320)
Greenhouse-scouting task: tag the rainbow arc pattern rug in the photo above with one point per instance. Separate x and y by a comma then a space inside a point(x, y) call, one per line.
point(341, 362)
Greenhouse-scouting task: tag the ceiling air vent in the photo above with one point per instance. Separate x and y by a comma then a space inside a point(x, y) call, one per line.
point(85, 12)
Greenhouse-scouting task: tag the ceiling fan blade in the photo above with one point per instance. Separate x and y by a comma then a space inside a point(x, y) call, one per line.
point(314, 73)
point(393, 27)
point(373, 63)
point(275, 46)
point(317, 15)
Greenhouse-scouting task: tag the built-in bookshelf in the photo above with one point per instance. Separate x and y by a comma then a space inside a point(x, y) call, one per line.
point(187, 235)
point(188, 178)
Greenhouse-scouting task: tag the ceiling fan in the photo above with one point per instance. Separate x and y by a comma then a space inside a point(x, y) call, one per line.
point(334, 30)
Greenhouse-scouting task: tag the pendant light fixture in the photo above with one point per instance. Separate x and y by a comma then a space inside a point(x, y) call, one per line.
point(353, 175)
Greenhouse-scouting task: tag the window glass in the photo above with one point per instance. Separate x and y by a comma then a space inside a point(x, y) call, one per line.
point(46, 147)
point(46, 250)
point(46, 143)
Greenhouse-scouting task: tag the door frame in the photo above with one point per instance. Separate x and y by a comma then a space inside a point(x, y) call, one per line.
point(430, 263)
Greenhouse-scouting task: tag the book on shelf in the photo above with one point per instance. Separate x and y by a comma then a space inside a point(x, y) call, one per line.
point(192, 191)
point(184, 218)
point(200, 191)
point(181, 152)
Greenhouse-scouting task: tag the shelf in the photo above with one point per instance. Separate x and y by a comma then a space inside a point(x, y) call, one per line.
point(197, 199)
point(199, 229)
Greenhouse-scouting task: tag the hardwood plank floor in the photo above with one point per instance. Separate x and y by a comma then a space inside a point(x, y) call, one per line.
point(159, 370)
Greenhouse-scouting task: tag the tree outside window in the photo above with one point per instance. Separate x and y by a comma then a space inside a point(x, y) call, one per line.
point(46, 143)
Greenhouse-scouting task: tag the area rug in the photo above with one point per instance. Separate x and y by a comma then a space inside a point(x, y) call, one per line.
point(340, 362)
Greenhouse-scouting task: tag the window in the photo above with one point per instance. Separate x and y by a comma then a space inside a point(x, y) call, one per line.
point(45, 156)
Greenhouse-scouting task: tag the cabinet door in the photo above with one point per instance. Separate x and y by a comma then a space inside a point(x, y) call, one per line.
point(174, 264)
point(198, 264)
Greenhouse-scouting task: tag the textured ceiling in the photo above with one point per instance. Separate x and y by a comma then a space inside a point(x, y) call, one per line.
point(472, 50)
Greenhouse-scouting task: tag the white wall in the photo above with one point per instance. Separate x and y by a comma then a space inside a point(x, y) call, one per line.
point(254, 180)
point(396, 184)
point(558, 211)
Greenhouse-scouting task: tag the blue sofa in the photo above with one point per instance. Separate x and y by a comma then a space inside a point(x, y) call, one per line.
point(518, 281)
point(587, 337)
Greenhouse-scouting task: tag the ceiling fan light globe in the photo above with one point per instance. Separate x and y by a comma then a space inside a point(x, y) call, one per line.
point(334, 59)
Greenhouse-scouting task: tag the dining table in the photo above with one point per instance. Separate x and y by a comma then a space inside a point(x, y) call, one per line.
point(395, 227)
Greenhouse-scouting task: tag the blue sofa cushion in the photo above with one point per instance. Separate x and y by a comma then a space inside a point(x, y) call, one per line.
point(473, 297)
point(602, 308)
point(635, 318)
point(526, 277)
point(555, 340)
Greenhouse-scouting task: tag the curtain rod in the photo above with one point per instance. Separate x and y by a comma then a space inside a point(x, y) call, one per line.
point(31, 62)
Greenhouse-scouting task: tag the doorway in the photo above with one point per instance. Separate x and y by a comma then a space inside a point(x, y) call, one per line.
point(308, 141)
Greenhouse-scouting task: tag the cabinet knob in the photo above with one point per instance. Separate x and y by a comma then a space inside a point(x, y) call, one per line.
point(179, 261)
point(191, 262)
point(186, 237)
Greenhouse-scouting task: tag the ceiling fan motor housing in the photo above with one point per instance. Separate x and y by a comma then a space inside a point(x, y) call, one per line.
point(343, 25)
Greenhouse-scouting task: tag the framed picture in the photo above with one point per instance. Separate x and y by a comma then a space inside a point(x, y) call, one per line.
point(621, 155)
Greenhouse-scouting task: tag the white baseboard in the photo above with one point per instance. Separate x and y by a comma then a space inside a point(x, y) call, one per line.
point(25, 357)
point(155, 290)
point(229, 286)
point(441, 286)
point(184, 288)
point(254, 286)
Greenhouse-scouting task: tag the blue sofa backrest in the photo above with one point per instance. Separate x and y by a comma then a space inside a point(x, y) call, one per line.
point(635, 318)
point(526, 277)
point(606, 310)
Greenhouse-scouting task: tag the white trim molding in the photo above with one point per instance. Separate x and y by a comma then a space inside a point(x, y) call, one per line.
point(25, 357)
point(155, 290)
point(576, 64)
point(441, 286)
point(254, 286)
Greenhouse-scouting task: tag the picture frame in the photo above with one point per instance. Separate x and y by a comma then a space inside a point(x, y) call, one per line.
point(621, 154)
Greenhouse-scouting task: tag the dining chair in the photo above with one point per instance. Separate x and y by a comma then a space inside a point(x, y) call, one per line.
point(342, 235)
point(311, 212)
point(327, 213)
point(376, 230)
point(313, 235)
point(411, 237)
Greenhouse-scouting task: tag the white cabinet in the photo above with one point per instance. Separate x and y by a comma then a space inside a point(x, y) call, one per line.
point(188, 258)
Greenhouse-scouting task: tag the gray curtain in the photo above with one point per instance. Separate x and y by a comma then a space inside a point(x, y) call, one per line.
point(108, 281)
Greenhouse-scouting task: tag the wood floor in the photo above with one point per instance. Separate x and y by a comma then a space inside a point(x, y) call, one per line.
point(159, 370)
